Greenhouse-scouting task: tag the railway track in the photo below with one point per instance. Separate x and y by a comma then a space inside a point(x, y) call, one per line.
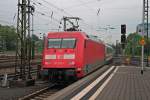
point(7, 62)
point(13, 58)
point(34, 71)
point(43, 93)
point(6, 57)
point(7, 66)
point(11, 64)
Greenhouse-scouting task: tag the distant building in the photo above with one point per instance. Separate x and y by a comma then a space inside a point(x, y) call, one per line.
point(140, 29)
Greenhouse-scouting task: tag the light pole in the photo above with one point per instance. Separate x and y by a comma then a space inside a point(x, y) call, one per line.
point(142, 51)
point(146, 10)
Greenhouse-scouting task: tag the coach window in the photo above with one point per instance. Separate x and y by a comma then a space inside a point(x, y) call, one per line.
point(54, 43)
point(68, 43)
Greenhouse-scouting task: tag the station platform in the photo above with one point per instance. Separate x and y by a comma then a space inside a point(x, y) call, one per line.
point(124, 83)
point(127, 84)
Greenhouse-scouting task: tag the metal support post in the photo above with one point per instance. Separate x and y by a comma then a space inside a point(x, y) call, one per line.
point(144, 21)
point(23, 49)
point(142, 58)
point(147, 8)
point(29, 41)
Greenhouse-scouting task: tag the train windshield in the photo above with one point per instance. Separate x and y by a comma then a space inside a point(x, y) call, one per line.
point(54, 43)
point(62, 43)
point(68, 43)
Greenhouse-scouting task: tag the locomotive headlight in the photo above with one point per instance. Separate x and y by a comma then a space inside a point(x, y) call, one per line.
point(46, 62)
point(79, 69)
point(69, 56)
point(50, 56)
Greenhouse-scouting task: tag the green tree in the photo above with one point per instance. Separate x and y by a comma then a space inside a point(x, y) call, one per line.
point(133, 47)
point(8, 37)
point(35, 38)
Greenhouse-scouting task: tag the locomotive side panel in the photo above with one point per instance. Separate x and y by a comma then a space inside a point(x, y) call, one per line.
point(94, 55)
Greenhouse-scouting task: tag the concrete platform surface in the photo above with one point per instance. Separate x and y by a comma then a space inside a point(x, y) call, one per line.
point(127, 84)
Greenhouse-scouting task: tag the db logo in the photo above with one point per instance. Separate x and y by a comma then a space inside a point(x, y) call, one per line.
point(59, 56)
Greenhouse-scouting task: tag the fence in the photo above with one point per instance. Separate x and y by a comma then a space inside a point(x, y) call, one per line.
point(134, 60)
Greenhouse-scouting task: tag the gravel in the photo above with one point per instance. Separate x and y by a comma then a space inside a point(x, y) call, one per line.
point(16, 92)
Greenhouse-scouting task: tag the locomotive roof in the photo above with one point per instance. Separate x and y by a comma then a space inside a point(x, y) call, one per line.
point(94, 38)
point(71, 33)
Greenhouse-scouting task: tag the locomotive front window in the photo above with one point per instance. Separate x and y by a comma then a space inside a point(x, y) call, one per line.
point(54, 43)
point(62, 43)
point(68, 43)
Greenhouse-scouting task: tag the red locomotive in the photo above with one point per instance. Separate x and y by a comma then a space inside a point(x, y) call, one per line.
point(68, 55)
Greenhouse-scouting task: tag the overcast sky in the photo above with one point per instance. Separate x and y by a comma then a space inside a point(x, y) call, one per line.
point(112, 13)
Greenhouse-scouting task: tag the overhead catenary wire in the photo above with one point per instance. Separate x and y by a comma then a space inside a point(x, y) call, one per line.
point(55, 8)
point(46, 15)
point(81, 4)
point(50, 15)
point(59, 9)
point(36, 3)
point(53, 12)
point(90, 8)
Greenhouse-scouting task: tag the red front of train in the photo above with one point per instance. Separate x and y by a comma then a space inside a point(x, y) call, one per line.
point(71, 54)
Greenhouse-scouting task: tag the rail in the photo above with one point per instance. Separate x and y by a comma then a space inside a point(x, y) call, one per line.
point(13, 75)
point(36, 95)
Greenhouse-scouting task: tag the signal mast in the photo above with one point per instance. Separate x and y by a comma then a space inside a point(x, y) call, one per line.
point(145, 26)
point(23, 49)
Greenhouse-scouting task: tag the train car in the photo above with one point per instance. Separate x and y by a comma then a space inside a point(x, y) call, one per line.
point(109, 51)
point(71, 55)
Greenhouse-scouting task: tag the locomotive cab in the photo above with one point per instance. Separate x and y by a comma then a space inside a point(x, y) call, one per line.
point(59, 56)
point(60, 52)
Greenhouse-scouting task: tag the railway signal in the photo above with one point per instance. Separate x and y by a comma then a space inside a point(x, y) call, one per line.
point(123, 35)
point(123, 29)
point(123, 38)
point(123, 41)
